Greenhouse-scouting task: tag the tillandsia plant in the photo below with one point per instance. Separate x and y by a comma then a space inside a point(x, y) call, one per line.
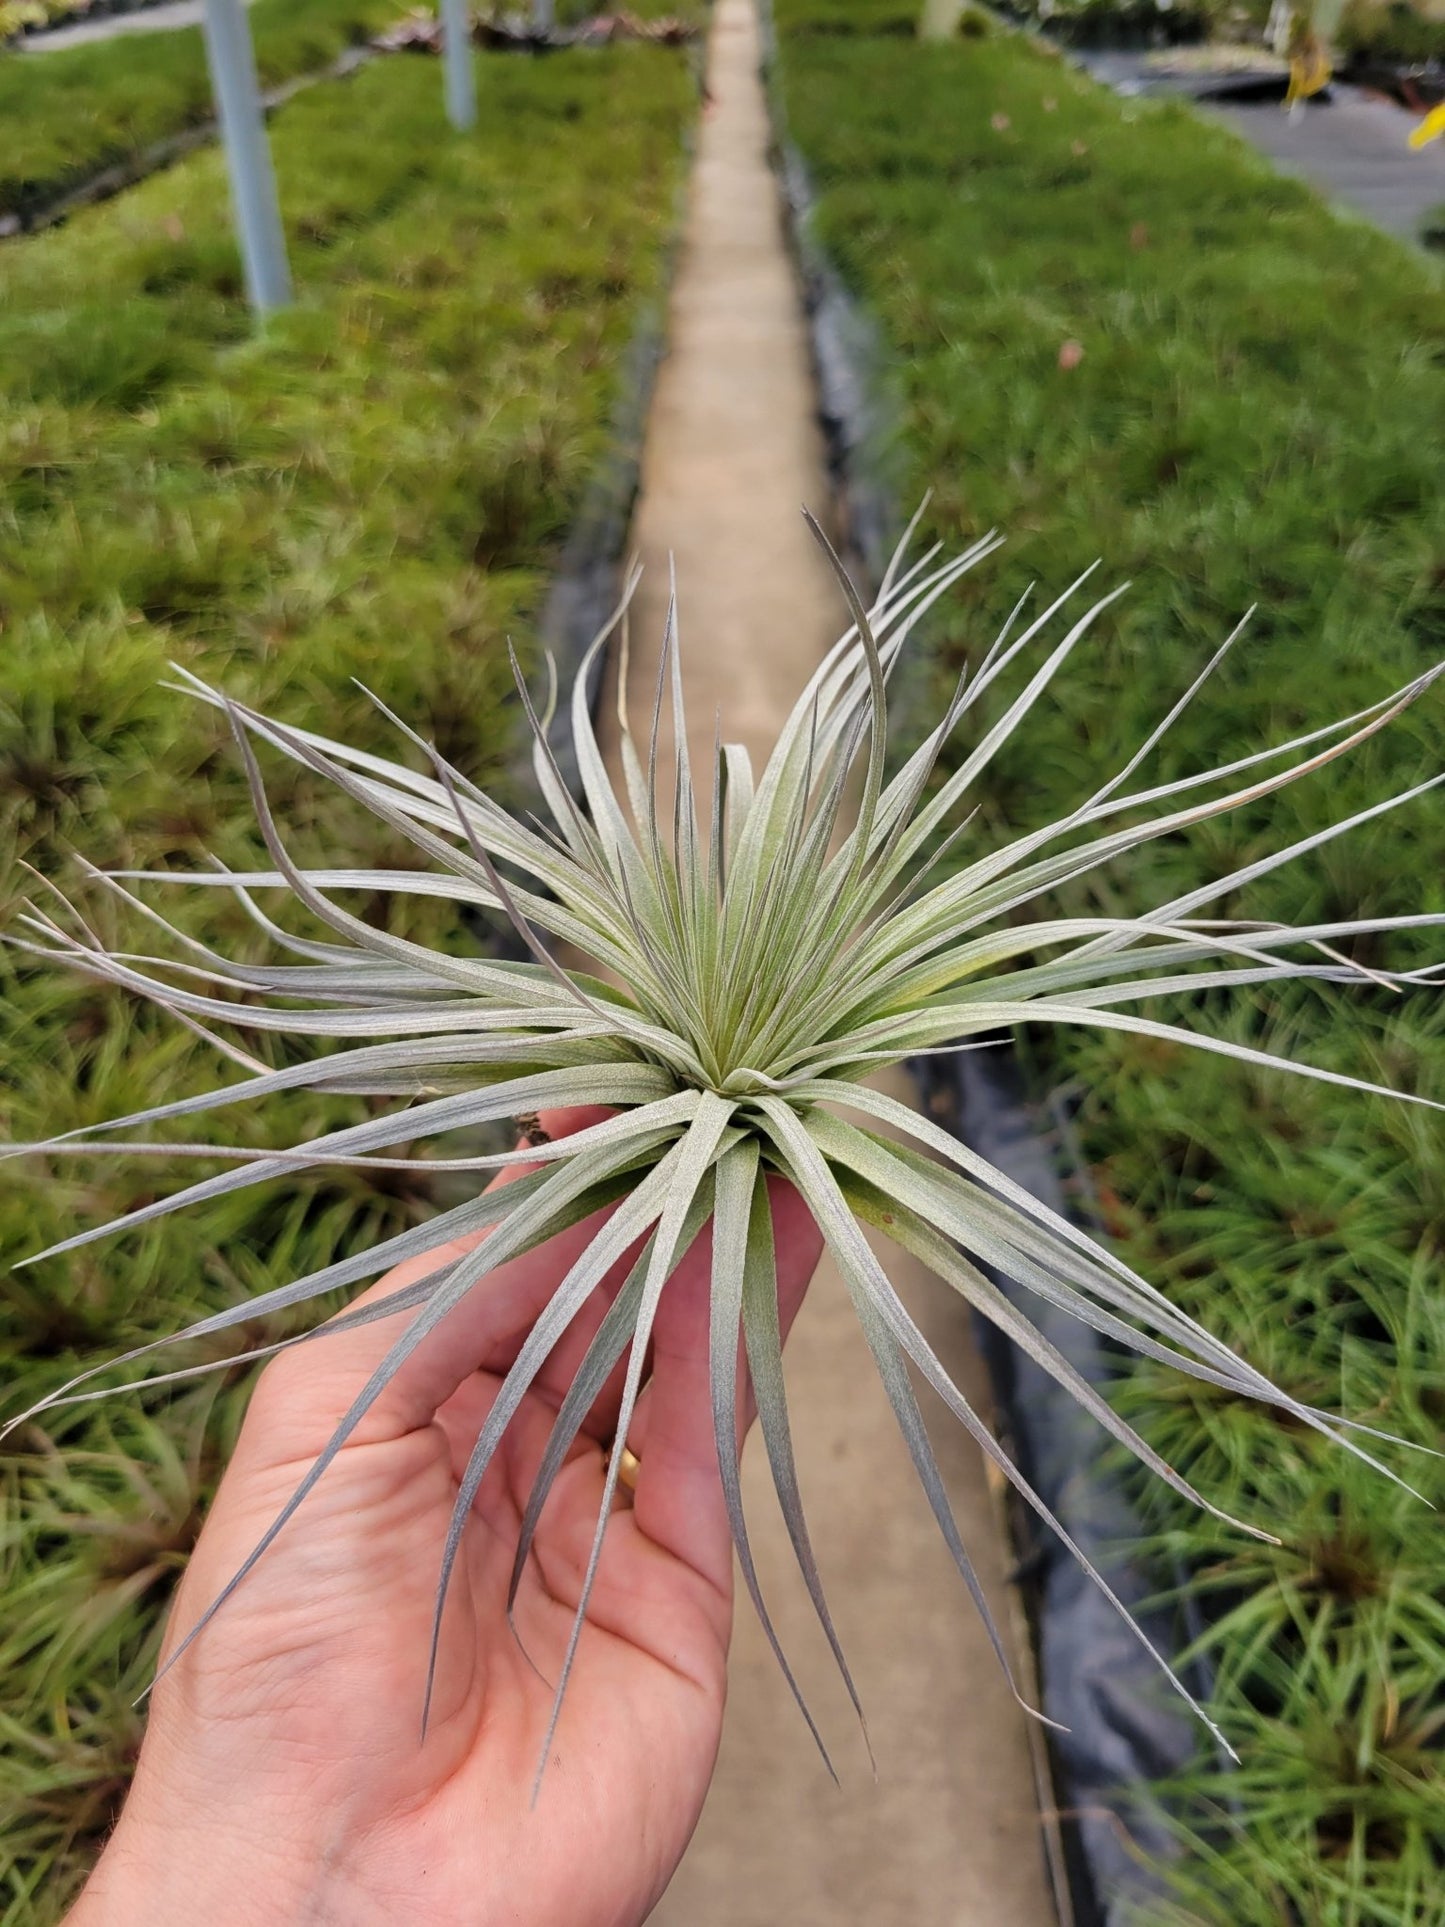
point(742, 984)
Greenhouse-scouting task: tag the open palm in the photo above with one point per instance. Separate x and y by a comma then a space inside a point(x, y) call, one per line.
point(284, 1777)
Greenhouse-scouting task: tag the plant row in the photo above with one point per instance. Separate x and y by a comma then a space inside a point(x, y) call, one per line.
point(372, 492)
point(1112, 331)
point(22, 17)
point(1372, 31)
point(72, 112)
point(19, 17)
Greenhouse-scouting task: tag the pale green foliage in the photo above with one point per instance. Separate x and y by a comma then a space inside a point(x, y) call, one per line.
point(756, 973)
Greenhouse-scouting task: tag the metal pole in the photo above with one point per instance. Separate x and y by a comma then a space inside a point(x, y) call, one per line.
point(461, 80)
point(253, 185)
point(941, 18)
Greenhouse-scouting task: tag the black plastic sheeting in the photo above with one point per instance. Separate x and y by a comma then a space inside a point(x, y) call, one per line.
point(852, 386)
point(587, 583)
point(1126, 1727)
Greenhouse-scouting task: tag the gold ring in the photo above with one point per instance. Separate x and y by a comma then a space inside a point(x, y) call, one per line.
point(628, 1467)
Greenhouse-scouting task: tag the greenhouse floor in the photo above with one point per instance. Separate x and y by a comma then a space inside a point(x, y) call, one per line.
point(1353, 146)
point(951, 1831)
point(1355, 151)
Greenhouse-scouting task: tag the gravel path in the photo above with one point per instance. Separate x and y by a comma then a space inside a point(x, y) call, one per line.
point(950, 1833)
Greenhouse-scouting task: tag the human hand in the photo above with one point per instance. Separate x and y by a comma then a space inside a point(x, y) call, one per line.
point(283, 1778)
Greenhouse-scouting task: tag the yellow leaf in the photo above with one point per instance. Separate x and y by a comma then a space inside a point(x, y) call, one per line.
point(1309, 71)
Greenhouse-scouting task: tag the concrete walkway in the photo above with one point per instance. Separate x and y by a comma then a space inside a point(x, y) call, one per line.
point(950, 1833)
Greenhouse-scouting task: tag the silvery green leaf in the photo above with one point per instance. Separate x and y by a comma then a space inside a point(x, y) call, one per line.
point(727, 991)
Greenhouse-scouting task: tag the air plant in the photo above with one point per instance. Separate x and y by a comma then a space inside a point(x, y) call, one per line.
point(745, 981)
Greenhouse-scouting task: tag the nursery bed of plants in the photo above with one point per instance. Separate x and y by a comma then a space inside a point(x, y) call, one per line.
point(19, 18)
point(71, 113)
point(1392, 33)
point(1112, 331)
point(376, 489)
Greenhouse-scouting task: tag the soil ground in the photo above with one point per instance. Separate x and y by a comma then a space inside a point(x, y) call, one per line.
point(950, 1833)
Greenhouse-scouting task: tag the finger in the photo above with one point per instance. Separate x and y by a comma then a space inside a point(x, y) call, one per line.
point(465, 1412)
point(679, 1500)
point(316, 1384)
point(563, 1362)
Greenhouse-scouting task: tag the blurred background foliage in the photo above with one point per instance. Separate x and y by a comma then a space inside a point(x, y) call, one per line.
point(71, 111)
point(373, 490)
point(1111, 331)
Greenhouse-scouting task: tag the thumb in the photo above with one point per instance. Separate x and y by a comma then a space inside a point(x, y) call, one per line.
point(303, 1394)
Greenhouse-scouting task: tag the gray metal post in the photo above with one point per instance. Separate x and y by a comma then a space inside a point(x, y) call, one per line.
point(940, 19)
point(248, 157)
point(457, 48)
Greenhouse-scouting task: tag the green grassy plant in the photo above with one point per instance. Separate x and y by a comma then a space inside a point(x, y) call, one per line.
point(1392, 32)
point(70, 113)
point(22, 16)
point(376, 488)
point(30, 16)
point(692, 13)
point(1123, 23)
point(1238, 416)
point(850, 18)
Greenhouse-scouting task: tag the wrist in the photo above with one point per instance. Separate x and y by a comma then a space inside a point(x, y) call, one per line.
point(144, 1875)
point(183, 1851)
point(174, 1876)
